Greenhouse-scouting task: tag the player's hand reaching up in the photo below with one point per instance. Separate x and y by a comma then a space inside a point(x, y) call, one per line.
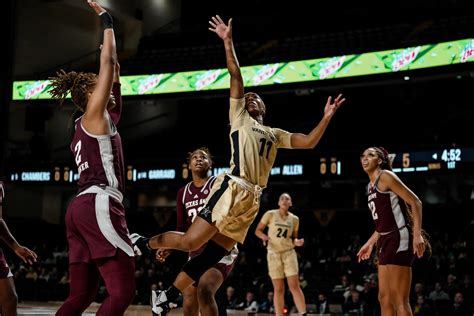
point(332, 106)
point(218, 26)
point(94, 5)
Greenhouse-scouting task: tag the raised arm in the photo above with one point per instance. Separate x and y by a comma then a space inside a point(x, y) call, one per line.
point(94, 120)
point(116, 111)
point(225, 33)
point(299, 140)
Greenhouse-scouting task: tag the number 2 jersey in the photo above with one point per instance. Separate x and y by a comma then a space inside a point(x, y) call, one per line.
point(280, 230)
point(99, 158)
point(388, 210)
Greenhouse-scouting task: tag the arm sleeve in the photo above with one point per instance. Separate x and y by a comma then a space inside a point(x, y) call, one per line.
point(180, 212)
point(116, 112)
point(284, 138)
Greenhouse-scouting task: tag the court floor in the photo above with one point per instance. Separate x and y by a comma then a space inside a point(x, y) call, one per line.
point(50, 308)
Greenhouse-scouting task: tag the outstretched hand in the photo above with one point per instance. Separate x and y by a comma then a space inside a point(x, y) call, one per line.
point(27, 255)
point(220, 28)
point(94, 5)
point(332, 106)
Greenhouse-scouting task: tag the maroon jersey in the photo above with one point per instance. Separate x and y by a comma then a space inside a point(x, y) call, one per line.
point(386, 209)
point(99, 158)
point(189, 202)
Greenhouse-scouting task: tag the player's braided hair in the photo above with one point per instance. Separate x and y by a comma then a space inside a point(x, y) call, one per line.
point(79, 84)
point(204, 150)
point(387, 165)
point(383, 154)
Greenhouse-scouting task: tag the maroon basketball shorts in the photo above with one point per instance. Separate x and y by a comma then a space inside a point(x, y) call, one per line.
point(396, 248)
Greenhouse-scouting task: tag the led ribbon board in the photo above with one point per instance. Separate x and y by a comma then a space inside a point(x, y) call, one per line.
point(390, 61)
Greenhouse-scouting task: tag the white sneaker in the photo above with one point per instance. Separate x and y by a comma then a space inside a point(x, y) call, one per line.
point(159, 303)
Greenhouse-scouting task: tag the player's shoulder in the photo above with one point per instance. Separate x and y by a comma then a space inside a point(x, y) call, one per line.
point(211, 180)
point(182, 189)
point(388, 176)
point(293, 215)
point(272, 212)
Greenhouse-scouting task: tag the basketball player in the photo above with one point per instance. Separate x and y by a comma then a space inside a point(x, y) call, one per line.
point(8, 296)
point(234, 200)
point(398, 233)
point(189, 201)
point(97, 232)
point(281, 239)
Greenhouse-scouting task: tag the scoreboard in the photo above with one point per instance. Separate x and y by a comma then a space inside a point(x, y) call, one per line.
point(307, 166)
point(448, 158)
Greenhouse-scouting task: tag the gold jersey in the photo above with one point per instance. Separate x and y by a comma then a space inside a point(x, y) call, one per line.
point(280, 230)
point(253, 145)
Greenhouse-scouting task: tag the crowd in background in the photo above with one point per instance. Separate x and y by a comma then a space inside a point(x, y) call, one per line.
point(331, 278)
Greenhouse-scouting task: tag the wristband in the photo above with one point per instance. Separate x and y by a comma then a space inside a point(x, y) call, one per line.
point(107, 21)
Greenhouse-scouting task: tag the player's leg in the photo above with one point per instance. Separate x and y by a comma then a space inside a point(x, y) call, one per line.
point(192, 272)
point(197, 235)
point(277, 274)
point(400, 282)
point(279, 295)
point(84, 282)
point(209, 283)
point(190, 301)
point(386, 306)
point(291, 269)
point(118, 273)
point(297, 293)
point(8, 297)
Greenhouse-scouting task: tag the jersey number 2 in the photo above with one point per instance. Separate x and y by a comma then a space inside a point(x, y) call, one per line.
point(373, 210)
point(77, 149)
point(192, 212)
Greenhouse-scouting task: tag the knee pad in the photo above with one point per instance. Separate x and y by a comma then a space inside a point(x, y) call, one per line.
point(211, 255)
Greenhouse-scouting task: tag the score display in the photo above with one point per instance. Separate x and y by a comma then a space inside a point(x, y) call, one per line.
point(450, 158)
